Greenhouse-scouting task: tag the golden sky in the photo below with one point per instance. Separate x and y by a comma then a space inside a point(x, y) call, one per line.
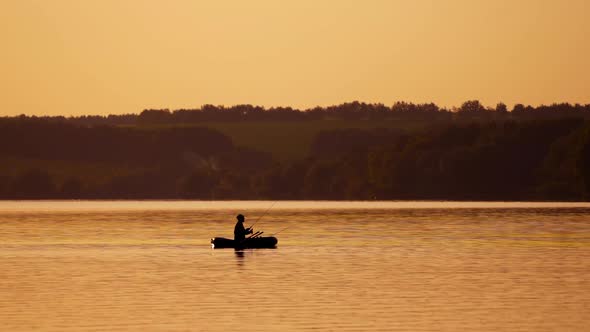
point(75, 57)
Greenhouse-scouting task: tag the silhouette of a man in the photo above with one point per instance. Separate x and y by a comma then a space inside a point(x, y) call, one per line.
point(239, 231)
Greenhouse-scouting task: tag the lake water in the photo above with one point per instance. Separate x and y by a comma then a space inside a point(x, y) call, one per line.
point(339, 266)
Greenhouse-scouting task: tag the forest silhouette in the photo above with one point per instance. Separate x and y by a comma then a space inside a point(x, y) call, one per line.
point(357, 151)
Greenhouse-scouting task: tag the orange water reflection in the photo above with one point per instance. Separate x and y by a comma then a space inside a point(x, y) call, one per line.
point(366, 268)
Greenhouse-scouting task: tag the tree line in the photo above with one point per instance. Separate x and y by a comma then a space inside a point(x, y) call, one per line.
point(531, 160)
point(493, 160)
point(44, 159)
point(471, 110)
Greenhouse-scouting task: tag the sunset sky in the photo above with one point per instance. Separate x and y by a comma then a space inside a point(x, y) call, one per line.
point(74, 57)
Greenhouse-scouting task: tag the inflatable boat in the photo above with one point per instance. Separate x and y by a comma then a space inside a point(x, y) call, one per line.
point(250, 243)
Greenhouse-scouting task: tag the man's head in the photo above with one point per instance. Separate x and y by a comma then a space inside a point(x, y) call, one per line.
point(240, 217)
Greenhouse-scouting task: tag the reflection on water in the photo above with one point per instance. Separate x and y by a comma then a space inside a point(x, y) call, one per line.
point(364, 267)
point(239, 257)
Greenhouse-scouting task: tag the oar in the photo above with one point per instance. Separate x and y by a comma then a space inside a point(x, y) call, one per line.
point(252, 235)
point(255, 234)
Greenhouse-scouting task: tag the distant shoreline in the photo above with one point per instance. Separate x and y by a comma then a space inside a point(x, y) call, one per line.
point(482, 155)
point(233, 206)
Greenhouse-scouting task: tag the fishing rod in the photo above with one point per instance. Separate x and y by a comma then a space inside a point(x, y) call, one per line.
point(280, 231)
point(265, 212)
